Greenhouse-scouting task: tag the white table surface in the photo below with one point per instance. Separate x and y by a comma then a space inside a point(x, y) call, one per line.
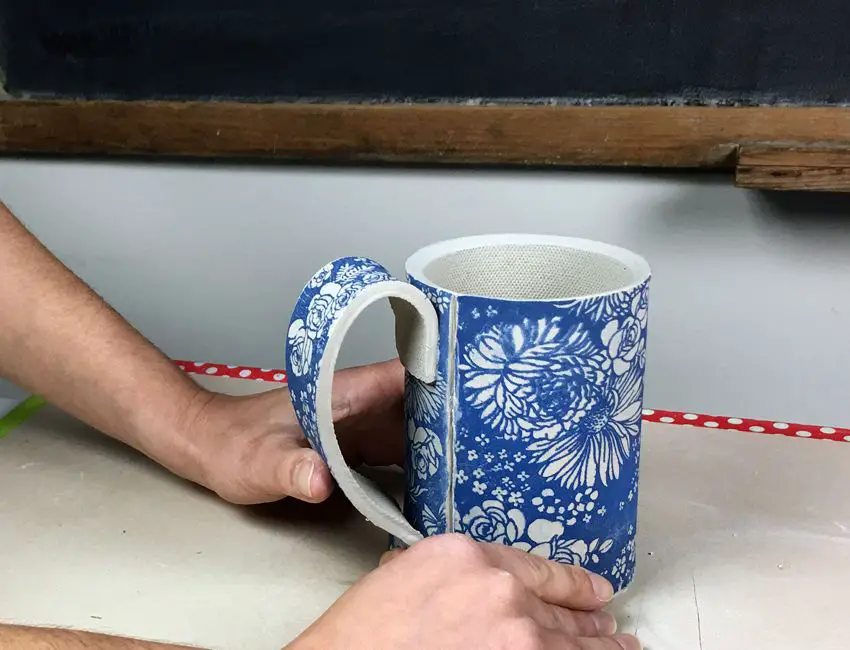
point(744, 542)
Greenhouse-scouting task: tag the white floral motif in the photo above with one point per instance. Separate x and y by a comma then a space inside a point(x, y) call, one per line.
point(348, 272)
point(490, 522)
point(640, 304)
point(432, 522)
point(440, 299)
point(599, 309)
point(322, 308)
point(425, 401)
point(624, 340)
point(624, 565)
point(300, 348)
point(426, 450)
point(321, 276)
point(532, 379)
point(549, 543)
point(596, 448)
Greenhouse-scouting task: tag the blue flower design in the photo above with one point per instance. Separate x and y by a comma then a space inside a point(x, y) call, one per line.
point(426, 450)
point(490, 522)
point(594, 447)
point(517, 375)
point(425, 402)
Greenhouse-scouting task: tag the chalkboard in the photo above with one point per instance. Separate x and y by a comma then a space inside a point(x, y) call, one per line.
point(704, 52)
point(683, 83)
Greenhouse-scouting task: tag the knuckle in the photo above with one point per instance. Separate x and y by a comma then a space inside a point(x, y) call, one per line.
point(540, 571)
point(575, 579)
point(521, 634)
point(504, 587)
point(454, 545)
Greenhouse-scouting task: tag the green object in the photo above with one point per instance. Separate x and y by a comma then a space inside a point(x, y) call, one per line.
point(20, 414)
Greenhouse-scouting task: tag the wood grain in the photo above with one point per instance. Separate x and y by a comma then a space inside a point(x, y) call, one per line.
point(684, 137)
point(817, 167)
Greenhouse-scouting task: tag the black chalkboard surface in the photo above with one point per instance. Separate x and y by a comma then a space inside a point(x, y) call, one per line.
point(665, 52)
point(758, 86)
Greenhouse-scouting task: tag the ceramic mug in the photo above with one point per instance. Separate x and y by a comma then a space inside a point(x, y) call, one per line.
point(525, 359)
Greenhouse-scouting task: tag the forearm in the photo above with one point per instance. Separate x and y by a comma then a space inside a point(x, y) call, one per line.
point(15, 637)
point(59, 339)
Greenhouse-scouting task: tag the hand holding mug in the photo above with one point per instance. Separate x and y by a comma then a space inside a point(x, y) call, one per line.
point(452, 593)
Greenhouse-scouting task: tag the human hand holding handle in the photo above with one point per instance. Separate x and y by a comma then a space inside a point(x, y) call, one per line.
point(449, 592)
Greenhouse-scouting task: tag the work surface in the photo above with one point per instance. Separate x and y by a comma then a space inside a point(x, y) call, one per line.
point(744, 542)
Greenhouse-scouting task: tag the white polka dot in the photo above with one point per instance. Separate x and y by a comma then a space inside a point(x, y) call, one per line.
point(278, 376)
point(667, 419)
point(827, 430)
point(265, 369)
point(648, 412)
point(231, 367)
point(689, 416)
point(199, 363)
point(211, 370)
point(735, 421)
point(757, 429)
point(710, 424)
point(245, 373)
point(803, 434)
point(780, 425)
point(847, 438)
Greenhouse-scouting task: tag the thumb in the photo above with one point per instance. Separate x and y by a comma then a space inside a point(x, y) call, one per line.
point(286, 469)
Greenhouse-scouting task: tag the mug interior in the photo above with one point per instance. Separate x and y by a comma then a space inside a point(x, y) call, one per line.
point(528, 267)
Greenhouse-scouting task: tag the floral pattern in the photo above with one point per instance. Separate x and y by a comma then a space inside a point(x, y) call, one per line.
point(326, 293)
point(428, 453)
point(491, 522)
point(548, 417)
point(530, 436)
point(426, 450)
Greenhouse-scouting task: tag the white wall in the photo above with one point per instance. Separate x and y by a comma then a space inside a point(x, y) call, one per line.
point(750, 304)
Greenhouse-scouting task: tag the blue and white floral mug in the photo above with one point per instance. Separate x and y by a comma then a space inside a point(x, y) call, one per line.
point(525, 359)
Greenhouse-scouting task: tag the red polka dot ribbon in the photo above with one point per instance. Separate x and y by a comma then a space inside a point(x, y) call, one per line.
point(749, 425)
point(234, 372)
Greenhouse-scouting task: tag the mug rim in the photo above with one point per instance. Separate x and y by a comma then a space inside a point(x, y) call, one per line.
point(417, 263)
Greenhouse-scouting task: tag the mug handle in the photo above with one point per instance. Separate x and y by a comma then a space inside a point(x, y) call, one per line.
point(327, 307)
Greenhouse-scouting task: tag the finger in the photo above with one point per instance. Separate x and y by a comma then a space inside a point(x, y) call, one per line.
point(365, 388)
point(554, 583)
point(570, 622)
point(618, 642)
point(368, 413)
point(389, 556)
point(554, 640)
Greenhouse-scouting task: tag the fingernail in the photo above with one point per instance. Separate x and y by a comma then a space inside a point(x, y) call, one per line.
point(601, 587)
point(606, 624)
point(628, 642)
point(304, 477)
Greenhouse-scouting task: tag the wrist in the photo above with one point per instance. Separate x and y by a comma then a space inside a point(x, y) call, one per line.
point(169, 435)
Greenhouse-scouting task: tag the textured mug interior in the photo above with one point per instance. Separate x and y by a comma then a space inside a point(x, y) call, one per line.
point(529, 271)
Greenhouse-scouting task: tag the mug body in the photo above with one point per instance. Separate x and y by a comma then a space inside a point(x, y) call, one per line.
point(530, 435)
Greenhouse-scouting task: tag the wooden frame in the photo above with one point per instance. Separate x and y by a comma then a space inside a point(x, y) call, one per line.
point(768, 148)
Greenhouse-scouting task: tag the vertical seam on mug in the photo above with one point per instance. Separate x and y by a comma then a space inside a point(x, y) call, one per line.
point(451, 402)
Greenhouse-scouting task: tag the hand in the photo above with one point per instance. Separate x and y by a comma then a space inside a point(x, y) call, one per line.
point(252, 450)
point(451, 593)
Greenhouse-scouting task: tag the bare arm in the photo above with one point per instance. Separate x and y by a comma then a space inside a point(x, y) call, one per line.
point(16, 637)
point(58, 338)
